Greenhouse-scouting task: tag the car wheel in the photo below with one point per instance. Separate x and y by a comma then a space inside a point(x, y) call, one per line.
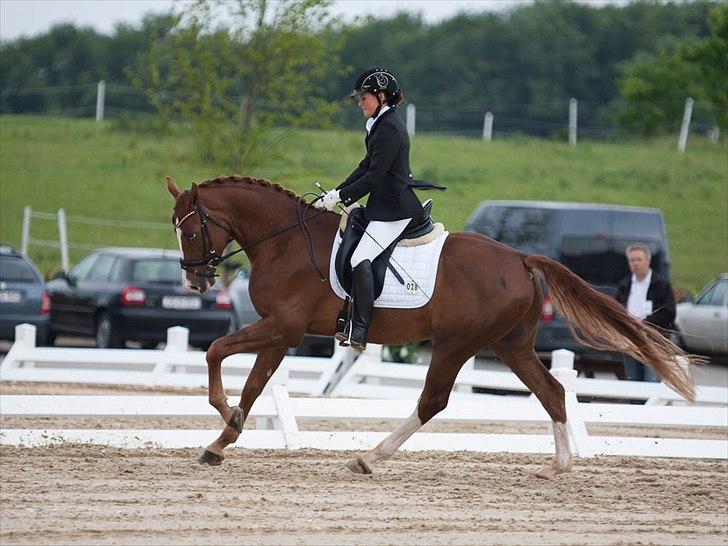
point(106, 337)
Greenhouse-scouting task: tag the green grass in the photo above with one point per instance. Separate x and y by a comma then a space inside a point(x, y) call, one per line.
point(93, 170)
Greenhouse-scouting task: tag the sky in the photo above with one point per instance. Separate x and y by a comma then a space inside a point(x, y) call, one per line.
point(31, 17)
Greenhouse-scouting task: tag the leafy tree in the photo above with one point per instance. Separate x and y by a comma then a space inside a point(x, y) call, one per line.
point(654, 87)
point(237, 68)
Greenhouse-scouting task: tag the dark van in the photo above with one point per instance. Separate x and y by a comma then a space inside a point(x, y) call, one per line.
point(590, 239)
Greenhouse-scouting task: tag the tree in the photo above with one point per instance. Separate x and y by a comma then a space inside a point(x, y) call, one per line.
point(239, 67)
point(654, 87)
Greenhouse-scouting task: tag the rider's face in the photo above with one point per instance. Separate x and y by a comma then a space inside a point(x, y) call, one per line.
point(368, 103)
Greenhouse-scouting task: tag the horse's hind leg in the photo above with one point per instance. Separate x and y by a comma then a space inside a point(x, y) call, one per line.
point(516, 350)
point(444, 367)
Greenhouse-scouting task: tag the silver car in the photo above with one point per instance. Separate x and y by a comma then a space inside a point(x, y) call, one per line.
point(702, 325)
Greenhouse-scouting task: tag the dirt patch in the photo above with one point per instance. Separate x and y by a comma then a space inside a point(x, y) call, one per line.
point(98, 495)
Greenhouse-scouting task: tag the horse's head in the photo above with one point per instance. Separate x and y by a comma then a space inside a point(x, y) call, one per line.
point(202, 239)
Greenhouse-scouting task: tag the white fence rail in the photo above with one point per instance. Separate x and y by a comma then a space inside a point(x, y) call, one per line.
point(369, 377)
point(174, 366)
point(285, 411)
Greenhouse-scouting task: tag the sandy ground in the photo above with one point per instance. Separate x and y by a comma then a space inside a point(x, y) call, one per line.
point(97, 495)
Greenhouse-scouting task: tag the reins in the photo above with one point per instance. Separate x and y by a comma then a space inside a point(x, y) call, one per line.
point(210, 258)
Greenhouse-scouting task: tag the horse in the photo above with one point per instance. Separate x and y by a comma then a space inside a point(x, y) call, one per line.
point(486, 295)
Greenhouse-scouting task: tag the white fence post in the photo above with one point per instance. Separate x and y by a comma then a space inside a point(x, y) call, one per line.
point(286, 419)
point(488, 127)
point(63, 239)
point(100, 99)
point(685, 127)
point(177, 339)
point(24, 340)
point(572, 121)
point(25, 233)
point(411, 113)
point(562, 368)
point(714, 134)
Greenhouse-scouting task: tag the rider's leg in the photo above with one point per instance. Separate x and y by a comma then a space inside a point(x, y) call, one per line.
point(377, 237)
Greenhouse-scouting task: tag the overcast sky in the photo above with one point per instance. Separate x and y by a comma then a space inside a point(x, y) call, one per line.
point(30, 17)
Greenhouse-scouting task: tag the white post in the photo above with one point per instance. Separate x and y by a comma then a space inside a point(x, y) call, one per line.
point(488, 127)
point(100, 97)
point(562, 368)
point(25, 233)
point(63, 239)
point(572, 122)
point(714, 134)
point(411, 112)
point(685, 128)
point(24, 340)
point(177, 339)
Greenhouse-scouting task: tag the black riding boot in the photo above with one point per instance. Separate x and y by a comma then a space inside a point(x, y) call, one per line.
point(363, 293)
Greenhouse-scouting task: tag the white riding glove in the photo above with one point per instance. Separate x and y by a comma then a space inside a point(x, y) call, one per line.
point(328, 201)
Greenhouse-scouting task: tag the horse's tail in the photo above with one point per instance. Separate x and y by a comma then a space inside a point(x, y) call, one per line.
point(602, 323)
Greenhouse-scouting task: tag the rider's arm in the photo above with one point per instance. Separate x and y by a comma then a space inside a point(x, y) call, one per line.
point(385, 144)
point(356, 173)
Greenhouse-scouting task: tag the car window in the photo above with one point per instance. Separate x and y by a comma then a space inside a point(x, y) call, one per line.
point(524, 228)
point(16, 269)
point(706, 297)
point(101, 269)
point(632, 223)
point(81, 270)
point(164, 271)
point(718, 294)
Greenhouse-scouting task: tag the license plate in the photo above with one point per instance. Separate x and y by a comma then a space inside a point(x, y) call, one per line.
point(11, 296)
point(181, 302)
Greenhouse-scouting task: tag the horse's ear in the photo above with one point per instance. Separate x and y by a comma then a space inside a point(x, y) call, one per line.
point(194, 192)
point(172, 187)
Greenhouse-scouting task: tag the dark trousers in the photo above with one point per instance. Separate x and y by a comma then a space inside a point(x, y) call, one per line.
point(634, 370)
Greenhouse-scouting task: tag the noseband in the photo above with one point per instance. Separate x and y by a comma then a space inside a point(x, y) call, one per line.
point(211, 260)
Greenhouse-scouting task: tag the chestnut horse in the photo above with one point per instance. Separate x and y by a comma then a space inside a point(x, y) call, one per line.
point(486, 295)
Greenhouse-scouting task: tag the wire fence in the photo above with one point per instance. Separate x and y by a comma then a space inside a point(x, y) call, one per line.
point(596, 120)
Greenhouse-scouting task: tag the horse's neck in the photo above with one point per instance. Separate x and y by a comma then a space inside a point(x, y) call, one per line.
point(256, 215)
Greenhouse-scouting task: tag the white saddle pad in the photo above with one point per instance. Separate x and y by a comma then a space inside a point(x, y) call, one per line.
point(417, 265)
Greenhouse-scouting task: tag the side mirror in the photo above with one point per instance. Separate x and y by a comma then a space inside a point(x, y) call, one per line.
point(66, 277)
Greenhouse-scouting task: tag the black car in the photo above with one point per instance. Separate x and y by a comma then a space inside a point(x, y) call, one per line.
point(134, 294)
point(590, 239)
point(23, 296)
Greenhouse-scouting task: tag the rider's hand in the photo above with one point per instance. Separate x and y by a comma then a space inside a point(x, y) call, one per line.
point(328, 201)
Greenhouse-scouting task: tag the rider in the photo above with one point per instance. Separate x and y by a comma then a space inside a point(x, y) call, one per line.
point(385, 175)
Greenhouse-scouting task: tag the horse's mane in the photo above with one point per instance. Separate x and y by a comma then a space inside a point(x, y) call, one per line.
point(237, 179)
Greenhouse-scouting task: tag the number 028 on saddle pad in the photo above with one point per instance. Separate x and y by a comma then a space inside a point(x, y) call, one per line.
point(415, 265)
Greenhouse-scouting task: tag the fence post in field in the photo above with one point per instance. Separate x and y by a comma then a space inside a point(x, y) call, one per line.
point(63, 239)
point(685, 127)
point(488, 127)
point(411, 112)
point(714, 134)
point(100, 98)
point(25, 233)
point(572, 121)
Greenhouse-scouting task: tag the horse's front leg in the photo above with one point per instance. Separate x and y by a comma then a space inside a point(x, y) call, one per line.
point(262, 337)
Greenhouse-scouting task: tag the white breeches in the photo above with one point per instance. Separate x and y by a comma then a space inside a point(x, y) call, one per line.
point(376, 239)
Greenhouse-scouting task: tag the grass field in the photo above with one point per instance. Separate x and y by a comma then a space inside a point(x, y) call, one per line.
point(93, 170)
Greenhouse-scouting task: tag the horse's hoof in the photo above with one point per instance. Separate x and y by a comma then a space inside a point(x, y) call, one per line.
point(358, 466)
point(550, 471)
point(210, 458)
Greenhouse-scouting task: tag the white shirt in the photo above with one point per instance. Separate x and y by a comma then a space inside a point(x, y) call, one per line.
point(637, 303)
point(370, 121)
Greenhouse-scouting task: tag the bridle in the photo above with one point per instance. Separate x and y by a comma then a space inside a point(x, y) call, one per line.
point(210, 259)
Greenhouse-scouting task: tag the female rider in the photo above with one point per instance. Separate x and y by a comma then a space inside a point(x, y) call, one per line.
point(385, 175)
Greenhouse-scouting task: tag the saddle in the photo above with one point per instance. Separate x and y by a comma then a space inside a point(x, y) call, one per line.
point(356, 224)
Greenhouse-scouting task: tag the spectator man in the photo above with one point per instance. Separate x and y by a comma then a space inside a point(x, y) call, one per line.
point(648, 296)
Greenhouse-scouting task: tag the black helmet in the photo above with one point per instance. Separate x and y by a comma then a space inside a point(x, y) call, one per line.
point(378, 80)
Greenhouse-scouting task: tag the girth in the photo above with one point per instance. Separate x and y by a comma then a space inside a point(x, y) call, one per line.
point(355, 226)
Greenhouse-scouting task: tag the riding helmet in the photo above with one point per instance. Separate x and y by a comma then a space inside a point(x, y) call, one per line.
point(378, 80)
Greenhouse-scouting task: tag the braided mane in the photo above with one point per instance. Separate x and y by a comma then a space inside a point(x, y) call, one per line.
point(237, 179)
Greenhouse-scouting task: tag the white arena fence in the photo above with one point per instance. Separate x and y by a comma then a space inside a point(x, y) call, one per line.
point(173, 366)
point(367, 377)
point(284, 412)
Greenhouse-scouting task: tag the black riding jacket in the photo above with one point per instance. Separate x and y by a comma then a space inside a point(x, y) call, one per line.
point(385, 174)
